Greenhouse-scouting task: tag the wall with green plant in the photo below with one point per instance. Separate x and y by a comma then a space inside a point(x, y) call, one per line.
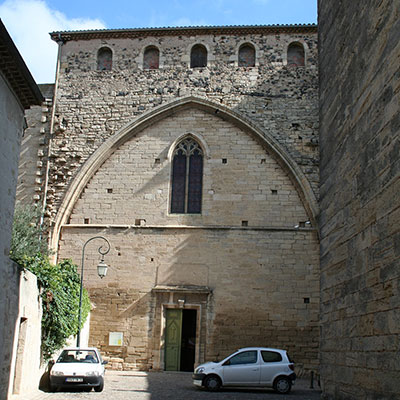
point(60, 283)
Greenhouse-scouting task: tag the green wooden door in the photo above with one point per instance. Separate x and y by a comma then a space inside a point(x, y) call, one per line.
point(173, 337)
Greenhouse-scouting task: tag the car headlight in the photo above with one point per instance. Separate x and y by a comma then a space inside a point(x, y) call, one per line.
point(199, 370)
point(92, 373)
point(57, 373)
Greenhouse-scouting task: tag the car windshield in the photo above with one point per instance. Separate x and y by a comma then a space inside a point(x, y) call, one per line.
point(80, 356)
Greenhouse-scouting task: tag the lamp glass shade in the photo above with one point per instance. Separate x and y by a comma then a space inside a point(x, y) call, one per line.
point(102, 269)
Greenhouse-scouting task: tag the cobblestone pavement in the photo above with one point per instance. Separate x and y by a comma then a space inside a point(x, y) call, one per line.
point(137, 385)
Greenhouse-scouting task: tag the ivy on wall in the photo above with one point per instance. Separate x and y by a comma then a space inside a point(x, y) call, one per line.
point(60, 283)
point(27, 233)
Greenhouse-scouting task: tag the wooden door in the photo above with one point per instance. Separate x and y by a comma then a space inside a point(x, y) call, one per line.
point(173, 338)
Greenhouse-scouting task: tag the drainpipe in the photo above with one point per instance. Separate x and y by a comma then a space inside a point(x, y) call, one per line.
point(60, 42)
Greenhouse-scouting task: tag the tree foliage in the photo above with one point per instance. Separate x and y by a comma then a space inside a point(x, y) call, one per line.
point(60, 283)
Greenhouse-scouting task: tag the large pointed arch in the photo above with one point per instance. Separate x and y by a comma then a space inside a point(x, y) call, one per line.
point(131, 129)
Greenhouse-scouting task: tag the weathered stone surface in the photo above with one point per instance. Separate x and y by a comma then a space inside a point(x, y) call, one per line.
point(360, 186)
point(280, 100)
point(34, 151)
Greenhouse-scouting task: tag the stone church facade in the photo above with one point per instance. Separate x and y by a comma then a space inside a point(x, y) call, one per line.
point(194, 151)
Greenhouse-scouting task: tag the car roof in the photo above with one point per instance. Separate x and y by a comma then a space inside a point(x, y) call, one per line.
point(80, 349)
point(262, 348)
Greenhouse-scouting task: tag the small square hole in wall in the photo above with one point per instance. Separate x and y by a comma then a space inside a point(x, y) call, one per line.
point(302, 224)
point(151, 259)
point(306, 300)
point(157, 161)
point(86, 220)
point(274, 192)
point(245, 223)
point(224, 161)
point(263, 160)
point(109, 190)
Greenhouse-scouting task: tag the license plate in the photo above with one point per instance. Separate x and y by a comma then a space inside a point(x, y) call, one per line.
point(74, 380)
point(197, 383)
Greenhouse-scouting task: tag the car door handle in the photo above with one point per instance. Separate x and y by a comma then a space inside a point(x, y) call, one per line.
point(255, 369)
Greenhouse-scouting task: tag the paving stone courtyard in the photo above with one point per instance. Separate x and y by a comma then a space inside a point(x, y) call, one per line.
point(123, 385)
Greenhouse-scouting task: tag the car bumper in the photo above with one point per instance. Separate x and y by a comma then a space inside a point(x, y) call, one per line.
point(75, 381)
point(292, 377)
point(198, 379)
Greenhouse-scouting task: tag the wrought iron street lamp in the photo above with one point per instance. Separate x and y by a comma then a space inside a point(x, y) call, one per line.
point(101, 271)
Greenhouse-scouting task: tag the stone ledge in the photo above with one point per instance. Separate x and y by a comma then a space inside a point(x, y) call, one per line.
point(204, 227)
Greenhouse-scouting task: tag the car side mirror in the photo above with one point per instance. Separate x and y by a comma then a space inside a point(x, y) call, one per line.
point(227, 362)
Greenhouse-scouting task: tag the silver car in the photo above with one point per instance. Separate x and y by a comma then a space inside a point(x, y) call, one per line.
point(250, 366)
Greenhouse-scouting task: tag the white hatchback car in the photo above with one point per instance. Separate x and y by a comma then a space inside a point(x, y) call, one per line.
point(78, 368)
point(250, 366)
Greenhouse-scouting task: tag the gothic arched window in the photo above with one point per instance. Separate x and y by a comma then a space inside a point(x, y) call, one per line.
point(151, 58)
point(104, 59)
point(247, 56)
point(295, 55)
point(198, 56)
point(187, 177)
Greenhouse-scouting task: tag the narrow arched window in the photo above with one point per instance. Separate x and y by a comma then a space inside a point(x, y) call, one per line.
point(247, 56)
point(104, 59)
point(187, 177)
point(295, 55)
point(198, 56)
point(151, 58)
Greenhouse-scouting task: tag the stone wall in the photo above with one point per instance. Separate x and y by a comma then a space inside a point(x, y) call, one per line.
point(26, 368)
point(93, 105)
point(264, 289)
point(34, 151)
point(262, 272)
point(248, 186)
point(360, 185)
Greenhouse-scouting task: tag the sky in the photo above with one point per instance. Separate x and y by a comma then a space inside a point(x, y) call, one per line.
point(29, 21)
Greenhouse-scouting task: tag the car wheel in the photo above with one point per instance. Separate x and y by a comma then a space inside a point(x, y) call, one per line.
point(282, 385)
point(212, 383)
point(100, 387)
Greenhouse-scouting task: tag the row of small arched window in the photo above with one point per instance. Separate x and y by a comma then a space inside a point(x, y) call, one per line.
point(198, 56)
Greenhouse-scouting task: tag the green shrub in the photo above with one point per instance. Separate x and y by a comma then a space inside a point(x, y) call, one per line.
point(60, 283)
point(60, 296)
point(27, 233)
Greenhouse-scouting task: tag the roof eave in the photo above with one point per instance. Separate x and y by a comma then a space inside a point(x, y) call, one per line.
point(186, 30)
point(19, 78)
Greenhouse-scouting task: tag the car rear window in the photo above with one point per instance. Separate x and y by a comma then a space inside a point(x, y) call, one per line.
point(271, 356)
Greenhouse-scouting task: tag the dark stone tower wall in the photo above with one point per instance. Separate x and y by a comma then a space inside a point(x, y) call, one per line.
point(359, 71)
